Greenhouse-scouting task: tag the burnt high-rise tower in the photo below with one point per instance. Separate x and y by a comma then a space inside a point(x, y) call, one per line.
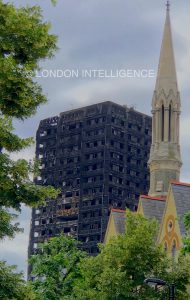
point(98, 156)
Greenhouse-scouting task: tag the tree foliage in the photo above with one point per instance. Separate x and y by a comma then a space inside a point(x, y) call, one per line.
point(7, 225)
point(119, 271)
point(25, 40)
point(56, 268)
point(186, 239)
point(12, 285)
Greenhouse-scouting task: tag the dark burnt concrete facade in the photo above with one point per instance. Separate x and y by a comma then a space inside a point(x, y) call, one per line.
point(97, 155)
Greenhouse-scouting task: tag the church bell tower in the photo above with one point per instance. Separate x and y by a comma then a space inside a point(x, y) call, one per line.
point(165, 159)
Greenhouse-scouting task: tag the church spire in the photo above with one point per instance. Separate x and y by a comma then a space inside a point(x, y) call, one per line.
point(167, 78)
point(168, 5)
point(165, 159)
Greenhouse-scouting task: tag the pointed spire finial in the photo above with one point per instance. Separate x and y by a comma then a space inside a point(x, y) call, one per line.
point(168, 5)
point(167, 77)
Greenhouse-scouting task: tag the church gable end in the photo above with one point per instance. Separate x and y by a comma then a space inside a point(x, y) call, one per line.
point(170, 234)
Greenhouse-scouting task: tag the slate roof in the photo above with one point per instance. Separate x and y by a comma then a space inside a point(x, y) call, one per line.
point(119, 217)
point(181, 193)
point(153, 207)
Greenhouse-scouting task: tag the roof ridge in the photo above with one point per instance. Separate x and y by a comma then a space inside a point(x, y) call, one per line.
point(180, 183)
point(153, 198)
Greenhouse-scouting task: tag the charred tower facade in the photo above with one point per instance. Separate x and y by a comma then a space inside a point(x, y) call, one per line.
point(97, 155)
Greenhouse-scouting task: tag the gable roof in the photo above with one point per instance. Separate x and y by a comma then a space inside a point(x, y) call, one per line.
point(119, 217)
point(181, 194)
point(153, 207)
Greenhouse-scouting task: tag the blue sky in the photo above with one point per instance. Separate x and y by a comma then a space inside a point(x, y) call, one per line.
point(105, 34)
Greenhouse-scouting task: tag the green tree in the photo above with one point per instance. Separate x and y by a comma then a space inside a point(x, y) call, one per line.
point(12, 285)
point(25, 40)
point(56, 268)
point(186, 239)
point(119, 271)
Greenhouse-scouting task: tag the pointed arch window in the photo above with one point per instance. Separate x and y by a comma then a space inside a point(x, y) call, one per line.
point(170, 125)
point(174, 248)
point(165, 246)
point(162, 123)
